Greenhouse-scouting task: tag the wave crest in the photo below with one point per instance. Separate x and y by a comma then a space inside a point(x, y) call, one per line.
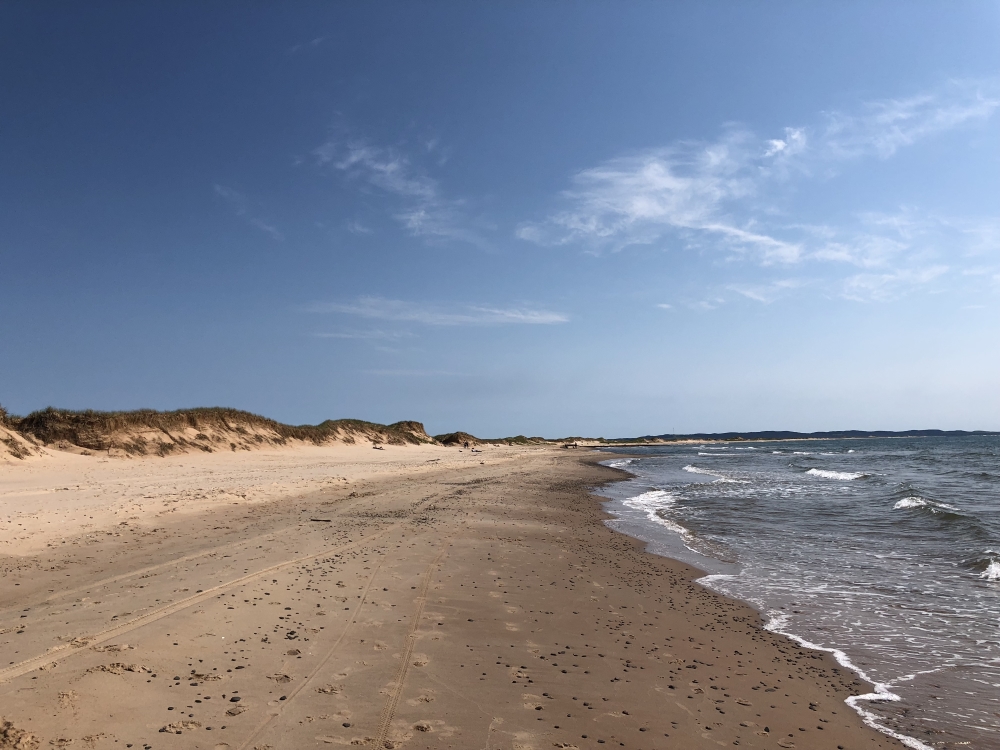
point(654, 504)
point(843, 476)
point(992, 572)
point(915, 501)
point(620, 463)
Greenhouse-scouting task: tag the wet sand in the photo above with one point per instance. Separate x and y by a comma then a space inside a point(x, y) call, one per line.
point(419, 599)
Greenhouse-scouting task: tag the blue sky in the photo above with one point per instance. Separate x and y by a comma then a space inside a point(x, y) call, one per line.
point(543, 218)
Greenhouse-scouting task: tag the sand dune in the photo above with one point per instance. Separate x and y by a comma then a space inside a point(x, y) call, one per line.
point(205, 430)
point(14, 447)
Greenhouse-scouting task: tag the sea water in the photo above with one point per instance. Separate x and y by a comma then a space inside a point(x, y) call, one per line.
point(885, 552)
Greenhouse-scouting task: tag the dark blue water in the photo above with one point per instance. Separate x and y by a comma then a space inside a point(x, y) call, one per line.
point(886, 551)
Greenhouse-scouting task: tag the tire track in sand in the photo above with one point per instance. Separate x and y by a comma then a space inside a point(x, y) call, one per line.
point(59, 653)
point(63, 593)
point(389, 709)
point(257, 730)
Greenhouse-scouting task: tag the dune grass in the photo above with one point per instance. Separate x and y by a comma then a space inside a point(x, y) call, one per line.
point(96, 429)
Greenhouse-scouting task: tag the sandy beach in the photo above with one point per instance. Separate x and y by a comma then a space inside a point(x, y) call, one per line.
point(412, 597)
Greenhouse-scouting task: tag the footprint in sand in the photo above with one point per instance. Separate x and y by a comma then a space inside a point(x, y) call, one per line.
point(68, 699)
point(437, 726)
point(178, 727)
point(425, 697)
point(118, 668)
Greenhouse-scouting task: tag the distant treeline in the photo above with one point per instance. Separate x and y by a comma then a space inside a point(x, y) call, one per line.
point(831, 434)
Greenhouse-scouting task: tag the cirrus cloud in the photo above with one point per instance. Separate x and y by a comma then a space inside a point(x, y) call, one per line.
point(379, 308)
point(724, 198)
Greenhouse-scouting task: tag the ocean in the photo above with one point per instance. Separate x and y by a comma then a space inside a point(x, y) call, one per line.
point(885, 552)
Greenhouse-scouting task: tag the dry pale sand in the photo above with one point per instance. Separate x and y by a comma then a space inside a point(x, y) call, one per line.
point(413, 597)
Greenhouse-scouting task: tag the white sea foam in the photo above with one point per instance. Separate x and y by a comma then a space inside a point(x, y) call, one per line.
point(652, 498)
point(620, 463)
point(801, 453)
point(651, 503)
point(717, 454)
point(721, 478)
point(696, 470)
point(778, 622)
point(842, 475)
point(992, 572)
point(711, 578)
point(914, 501)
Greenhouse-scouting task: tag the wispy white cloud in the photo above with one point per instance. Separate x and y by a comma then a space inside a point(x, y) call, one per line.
point(767, 293)
point(866, 287)
point(375, 335)
point(883, 127)
point(862, 249)
point(641, 198)
point(382, 167)
point(239, 203)
point(709, 303)
point(356, 227)
point(722, 198)
point(378, 308)
point(310, 45)
point(424, 211)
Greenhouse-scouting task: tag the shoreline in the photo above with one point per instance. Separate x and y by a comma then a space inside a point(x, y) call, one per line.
point(471, 601)
point(773, 624)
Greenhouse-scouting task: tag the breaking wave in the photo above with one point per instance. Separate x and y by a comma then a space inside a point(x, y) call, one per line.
point(654, 504)
point(992, 572)
point(915, 501)
point(841, 475)
point(911, 502)
point(720, 478)
point(696, 470)
point(620, 463)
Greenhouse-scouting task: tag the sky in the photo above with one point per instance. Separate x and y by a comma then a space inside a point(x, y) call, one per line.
point(545, 218)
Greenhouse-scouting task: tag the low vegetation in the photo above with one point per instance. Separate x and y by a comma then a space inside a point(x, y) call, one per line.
point(150, 432)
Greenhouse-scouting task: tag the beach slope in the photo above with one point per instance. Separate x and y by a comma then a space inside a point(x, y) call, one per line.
point(413, 597)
